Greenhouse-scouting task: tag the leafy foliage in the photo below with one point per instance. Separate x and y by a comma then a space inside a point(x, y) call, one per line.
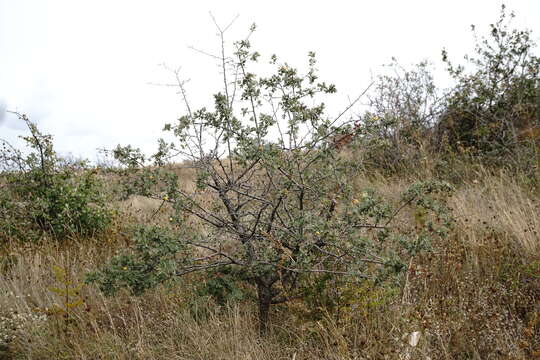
point(151, 262)
point(494, 107)
point(41, 193)
point(272, 201)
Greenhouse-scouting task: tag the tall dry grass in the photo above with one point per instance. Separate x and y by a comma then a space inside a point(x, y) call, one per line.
point(475, 296)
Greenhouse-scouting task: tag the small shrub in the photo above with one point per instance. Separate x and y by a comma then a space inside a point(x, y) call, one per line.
point(493, 110)
point(69, 292)
point(402, 109)
point(41, 194)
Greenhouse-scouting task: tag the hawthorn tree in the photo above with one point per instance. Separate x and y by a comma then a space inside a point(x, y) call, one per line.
point(274, 203)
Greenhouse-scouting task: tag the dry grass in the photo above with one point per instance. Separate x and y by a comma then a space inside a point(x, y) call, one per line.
point(476, 296)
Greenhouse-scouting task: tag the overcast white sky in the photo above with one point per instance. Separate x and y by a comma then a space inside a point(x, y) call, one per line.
point(81, 69)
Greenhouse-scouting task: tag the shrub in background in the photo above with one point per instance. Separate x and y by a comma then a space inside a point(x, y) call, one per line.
point(494, 108)
point(403, 107)
point(42, 194)
point(490, 114)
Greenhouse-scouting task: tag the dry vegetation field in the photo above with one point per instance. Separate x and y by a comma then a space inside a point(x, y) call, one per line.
point(444, 264)
point(475, 296)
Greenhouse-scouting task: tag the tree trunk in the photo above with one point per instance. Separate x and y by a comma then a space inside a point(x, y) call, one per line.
point(264, 293)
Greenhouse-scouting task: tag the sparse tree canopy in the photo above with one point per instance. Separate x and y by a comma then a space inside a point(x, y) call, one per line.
point(273, 203)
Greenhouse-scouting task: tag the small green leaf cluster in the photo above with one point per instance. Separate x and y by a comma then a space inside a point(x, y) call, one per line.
point(428, 197)
point(222, 286)
point(153, 259)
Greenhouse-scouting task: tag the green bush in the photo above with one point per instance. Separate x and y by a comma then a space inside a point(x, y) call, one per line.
point(494, 108)
point(43, 194)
